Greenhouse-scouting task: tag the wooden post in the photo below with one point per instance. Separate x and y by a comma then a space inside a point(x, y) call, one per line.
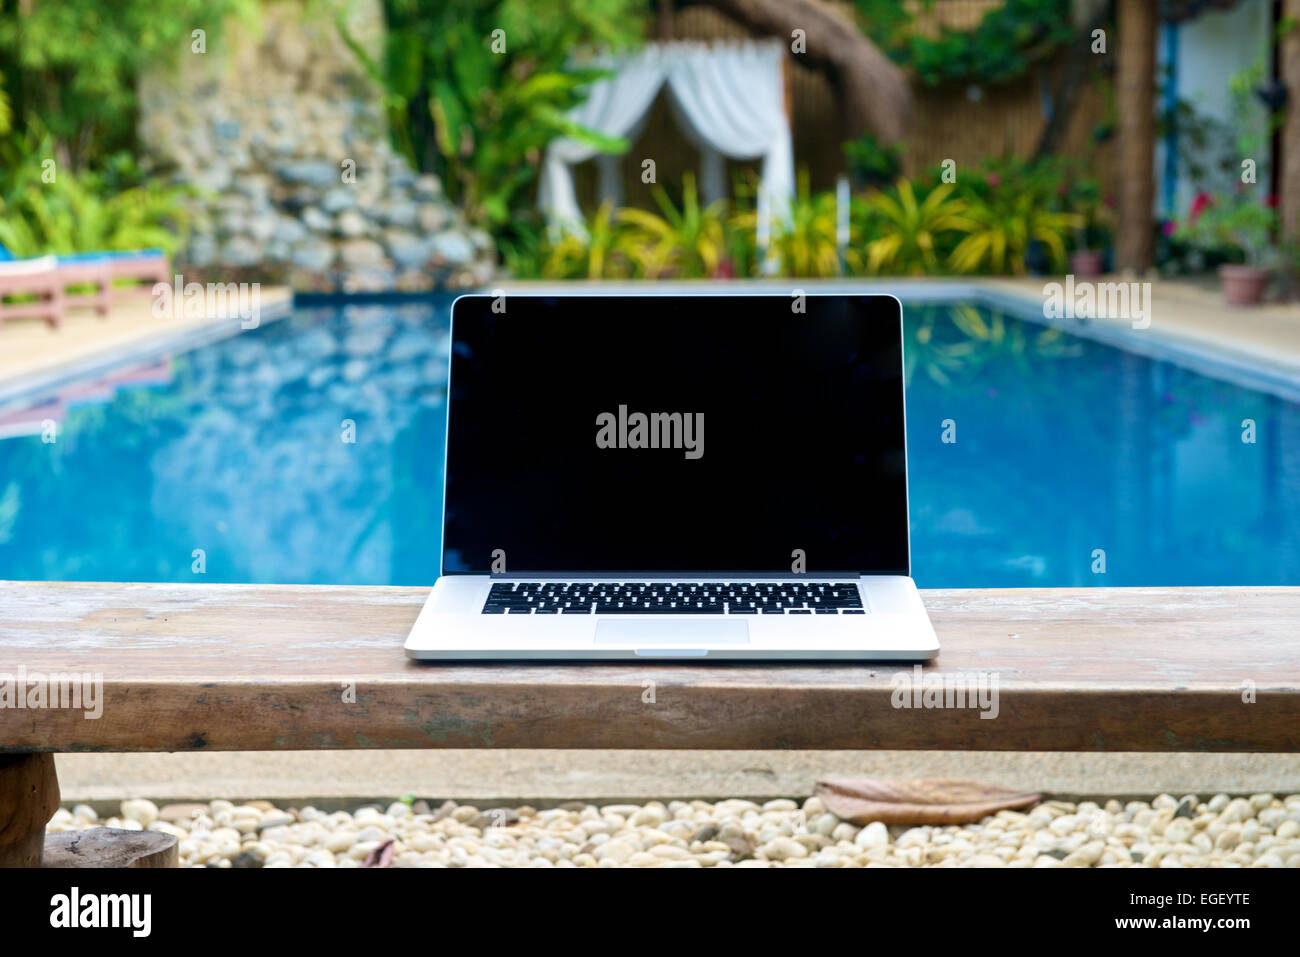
point(1135, 94)
point(100, 847)
point(1289, 71)
point(29, 796)
point(665, 20)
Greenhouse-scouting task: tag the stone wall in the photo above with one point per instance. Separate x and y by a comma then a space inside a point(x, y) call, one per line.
point(270, 123)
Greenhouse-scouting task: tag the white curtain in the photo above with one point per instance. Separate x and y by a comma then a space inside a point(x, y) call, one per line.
point(729, 99)
point(615, 106)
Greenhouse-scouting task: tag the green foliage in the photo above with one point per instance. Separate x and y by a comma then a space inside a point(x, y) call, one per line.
point(68, 77)
point(913, 227)
point(1083, 197)
point(871, 162)
point(601, 254)
point(905, 233)
point(1013, 204)
point(687, 242)
point(741, 232)
point(805, 244)
point(72, 65)
point(1234, 221)
point(1006, 42)
point(116, 209)
point(475, 90)
point(1231, 221)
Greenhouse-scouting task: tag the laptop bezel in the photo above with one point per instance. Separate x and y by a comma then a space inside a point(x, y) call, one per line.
point(676, 575)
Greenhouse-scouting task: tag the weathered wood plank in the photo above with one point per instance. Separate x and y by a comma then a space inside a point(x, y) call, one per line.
point(237, 667)
point(111, 847)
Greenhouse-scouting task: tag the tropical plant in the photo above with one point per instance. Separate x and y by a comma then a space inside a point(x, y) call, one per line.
point(804, 241)
point(907, 232)
point(1083, 196)
point(1008, 39)
point(475, 91)
point(1233, 221)
point(1003, 228)
point(740, 230)
point(599, 254)
point(83, 212)
point(687, 243)
point(871, 162)
point(73, 65)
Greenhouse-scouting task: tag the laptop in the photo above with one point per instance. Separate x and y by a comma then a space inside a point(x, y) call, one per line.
point(675, 477)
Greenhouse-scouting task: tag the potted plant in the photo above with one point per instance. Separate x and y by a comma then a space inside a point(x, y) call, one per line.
point(1239, 223)
point(1092, 238)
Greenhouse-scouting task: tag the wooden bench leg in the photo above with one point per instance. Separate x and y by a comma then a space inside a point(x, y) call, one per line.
point(29, 796)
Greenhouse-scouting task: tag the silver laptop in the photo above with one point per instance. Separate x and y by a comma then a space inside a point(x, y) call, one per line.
point(680, 477)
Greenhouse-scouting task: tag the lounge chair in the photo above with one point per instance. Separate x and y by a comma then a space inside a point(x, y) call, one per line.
point(39, 277)
point(146, 266)
point(87, 269)
point(48, 278)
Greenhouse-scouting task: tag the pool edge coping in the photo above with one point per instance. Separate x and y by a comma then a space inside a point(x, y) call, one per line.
point(1213, 360)
point(18, 390)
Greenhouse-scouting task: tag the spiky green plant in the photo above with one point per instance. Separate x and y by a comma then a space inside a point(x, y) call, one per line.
point(688, 243)
point(906, 230)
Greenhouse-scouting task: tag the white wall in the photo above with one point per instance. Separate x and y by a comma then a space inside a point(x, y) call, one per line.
point(1210, 49)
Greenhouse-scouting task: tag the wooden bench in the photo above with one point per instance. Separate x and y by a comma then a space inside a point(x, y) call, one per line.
point(240, 667)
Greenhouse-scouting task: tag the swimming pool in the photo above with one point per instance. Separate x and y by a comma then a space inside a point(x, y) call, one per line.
point(1036, 458)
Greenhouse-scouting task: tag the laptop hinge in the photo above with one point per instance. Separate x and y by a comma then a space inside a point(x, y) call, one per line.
point(678, 576)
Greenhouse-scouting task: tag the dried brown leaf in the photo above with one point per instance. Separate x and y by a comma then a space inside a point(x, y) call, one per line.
point(918, 801)
point(381, 856)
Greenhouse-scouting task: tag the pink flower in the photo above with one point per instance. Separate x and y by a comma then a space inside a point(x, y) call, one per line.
point(1169, 227)
point(1202, 202)
point(994, 180)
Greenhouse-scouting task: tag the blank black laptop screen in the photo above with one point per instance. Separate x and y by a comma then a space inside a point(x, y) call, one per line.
point(676, 434)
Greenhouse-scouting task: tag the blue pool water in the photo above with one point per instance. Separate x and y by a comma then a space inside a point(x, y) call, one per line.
point(1064, 449)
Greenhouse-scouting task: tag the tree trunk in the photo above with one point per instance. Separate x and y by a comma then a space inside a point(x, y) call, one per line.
point(874, 91)
point(1089, 16)
point(1135, 95)
point(1289, 68)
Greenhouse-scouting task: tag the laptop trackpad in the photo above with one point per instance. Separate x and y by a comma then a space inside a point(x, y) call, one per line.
point(690, 633)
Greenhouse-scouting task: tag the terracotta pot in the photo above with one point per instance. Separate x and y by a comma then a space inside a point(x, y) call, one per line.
point(1243, 285)
point(1087, 262)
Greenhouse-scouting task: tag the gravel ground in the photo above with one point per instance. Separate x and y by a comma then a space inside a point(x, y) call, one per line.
point(1256, 831)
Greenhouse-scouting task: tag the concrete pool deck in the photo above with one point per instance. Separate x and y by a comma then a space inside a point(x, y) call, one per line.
point(1189, 316)
point(34, 355)
point(560, 775)
point(1190, 324)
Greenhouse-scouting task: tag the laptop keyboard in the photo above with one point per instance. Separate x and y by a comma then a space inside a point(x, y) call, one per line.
point(673, 598)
